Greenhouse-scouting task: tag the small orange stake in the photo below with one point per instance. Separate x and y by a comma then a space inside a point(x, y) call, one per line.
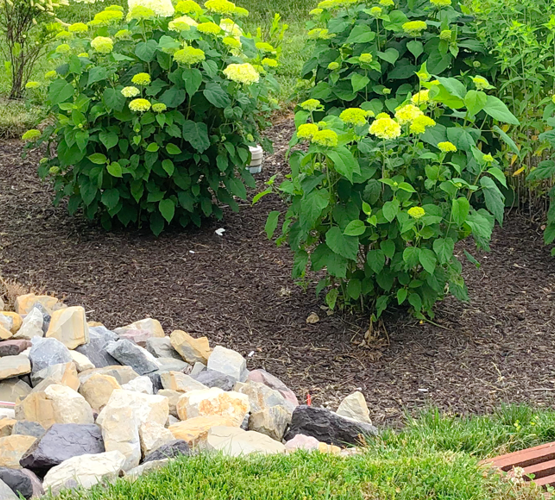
point(308, 399)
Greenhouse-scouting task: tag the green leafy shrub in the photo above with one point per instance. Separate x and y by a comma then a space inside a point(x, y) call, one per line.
point(362, 53)
point(381, 207)
point(155, 113)
point(27, 27)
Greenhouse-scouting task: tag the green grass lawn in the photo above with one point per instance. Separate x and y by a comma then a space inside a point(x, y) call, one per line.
point(434, 457)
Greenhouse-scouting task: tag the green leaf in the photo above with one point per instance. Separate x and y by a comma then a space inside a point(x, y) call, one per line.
point(411, 256)
point(167, 209)
point(549, 234)
point(390, 55)
point(388, 248)
point(507, 139)
point(97, 74)
point(346, 246)
point(453, 86)
point(355, 228)
point(311, 208)
point(415, 301)
point(109, 139)
point(496, 109)
point(173, 97)
point(460, 209)
point(59, 91)
point(216, 95)
point(271, 223)
point(481, 222)
point(475, 101)
point(498, 174)
point(444, 248)
point(495, 201)
point(193, 80)
point(168, 166)
point(545, 170)
point(113, 99)
point(354, 287)
point(390, 209)
point(401, 295)
point(344, 162)
point(361, 33)
point(146, 50)
point(114, 169)
point(415, 48)
point(299, 263)
point(428, 259)
point(98, 158)
point(331, 298)
point(172, 149)
point(156, 223)
point(110, 198)
point(359, 82)
point(376, 260)
point(152, 147)
point(196, 133)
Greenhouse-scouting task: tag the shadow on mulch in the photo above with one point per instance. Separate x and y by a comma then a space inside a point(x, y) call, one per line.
point(237, 290)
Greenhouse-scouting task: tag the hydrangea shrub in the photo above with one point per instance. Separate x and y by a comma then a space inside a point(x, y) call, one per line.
point(155, 111)
point(379, 201)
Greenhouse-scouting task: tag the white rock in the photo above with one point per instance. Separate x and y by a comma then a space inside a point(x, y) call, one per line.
point(229, 363)
point(213, 402)
point(145, 407)
point(234, 441)
point(69, 406)
point(81, 361)
point(153, 436)
point(140, 384)
point(85, 471)
point(120, 432)
point(69, 326)
point(354, 407)
point(31, 326)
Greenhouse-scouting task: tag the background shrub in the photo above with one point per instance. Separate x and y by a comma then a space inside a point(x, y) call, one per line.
point(154, 115)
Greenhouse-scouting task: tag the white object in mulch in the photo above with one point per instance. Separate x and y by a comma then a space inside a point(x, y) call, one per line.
point(255, 166)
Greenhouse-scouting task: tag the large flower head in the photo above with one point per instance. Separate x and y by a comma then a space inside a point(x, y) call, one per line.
point(327, 138)
point(421, 97)
point(107, 17)
point(140, 105)
point(414, 28)
point(181, 24)
point(311, 105)
point(232, 42)
point(242, 73)
point(31, 135)
point(123, 35)
point(188, 7)
point(353, 116)
point(32, 85)
point(189, 55)
point(102, 44)
point(63, 48)
point(307, 130)
point(159, 107)
point(416, 212)
point(447, 147)
point(162, 8)
point(366, 58)
point(130, 91)
point(209, 28)
point(78, 28)
point(481, 83)
point(140, 13)
point(385, 127)
point(420, 123)
point(407, 114)
point(231, 28)
point(141, 79)
point(441, 3)
point(220, 6)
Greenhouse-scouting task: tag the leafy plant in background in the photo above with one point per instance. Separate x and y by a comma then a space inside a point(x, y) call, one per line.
point(363, 52)
point(380, 206)
point(27, 27)
point(155, 112)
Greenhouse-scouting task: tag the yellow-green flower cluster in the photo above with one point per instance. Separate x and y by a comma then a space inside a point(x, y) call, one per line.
point(232, 42)
point(189, 55)
point(50, 75)
point(445, 35)
point(231, 28)
point(272, 63)
point(407, 114)
point(353, 116)
point(106, 18)
point(63, 48)
point(387, 3)
point(316, 12)
point(376, 11)
point(322, 34)
point(209, 28)
point(32, 85)
point(159, 107)
point(447, 147)
point(333, 66)
point(114, 7)
point(327, 138)
point(162, 8)
point(140, 13)
point(481, 83)
point(123, 35)
point(141, 79)
point(220, 6)
point(242, 73)
point(311, 105)
point(130, 91)
point(182, 23)
point(419, 124)
point(83, 54)
point(441, 3)
point(487, 158)
point(365, 58)
point(31, 135)
point(264, 47)
point(416, 212)
point(307, 130)
point(421, 97)
point(78, 28)
point(414, 28)
point(102, 44)
point(384, 127)
point(140, 105)
point(188, 7)
point(64, 35)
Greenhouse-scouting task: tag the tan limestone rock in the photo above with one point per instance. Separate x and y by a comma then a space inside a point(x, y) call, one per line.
point(69, 406)
point(120, 432)
point(10, 321)
point(98, 389)
point(12, 448)
point(173, 398)
point(36, 407)
point(354, 407)
point(13, 389)
point(195, 430)
point(14, 366)
point(69, 326)
point(234, 441)
point(190, 349)
point(81, 361)
point(123, 374)
point(6, 426)
point(25, 303)
point(146, 408)
point(178, 381)
point(153, 436)
point(61, 374)
point(271, 421)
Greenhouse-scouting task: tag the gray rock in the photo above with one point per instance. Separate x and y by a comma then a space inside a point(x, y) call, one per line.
point(28, 428)
point(327, 426)
point(46, 317)
point(95, 350)
point(228, 362)
point(173, 365)
point(47, 352)
point(6, 492)
point(268, 379)
point(197, 368)
point(21, 481)
point(172, 449)
point(61, 442)
point(156, 381)
point(211, 378)
point(162, 348)
point(130, 354)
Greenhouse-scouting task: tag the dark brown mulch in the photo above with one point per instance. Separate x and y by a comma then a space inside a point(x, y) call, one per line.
point(237, 290)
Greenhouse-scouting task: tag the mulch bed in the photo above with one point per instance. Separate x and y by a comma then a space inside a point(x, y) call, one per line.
point(237, 290)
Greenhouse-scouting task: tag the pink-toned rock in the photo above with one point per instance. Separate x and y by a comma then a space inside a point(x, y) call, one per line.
point(139, 337)
point(302, 442)
point(268, 379)
point(13, 347)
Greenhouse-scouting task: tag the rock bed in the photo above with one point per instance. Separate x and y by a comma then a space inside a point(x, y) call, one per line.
point(81, 404)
